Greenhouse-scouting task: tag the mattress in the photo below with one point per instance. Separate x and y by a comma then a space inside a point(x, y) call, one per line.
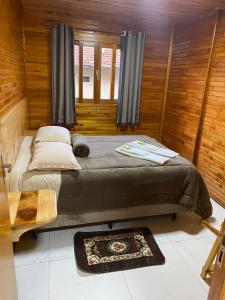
point(112, 181)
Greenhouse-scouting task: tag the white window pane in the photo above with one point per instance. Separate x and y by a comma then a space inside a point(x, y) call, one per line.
point(76, 65)
point(106, 70)
point(88, 72)
point(117, 72)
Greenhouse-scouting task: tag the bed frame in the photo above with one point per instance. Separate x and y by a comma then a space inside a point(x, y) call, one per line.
point(111, 216)
point(35, 232)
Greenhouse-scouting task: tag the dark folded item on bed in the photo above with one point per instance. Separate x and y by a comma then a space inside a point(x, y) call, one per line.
point(80, 145)
point(110, 180)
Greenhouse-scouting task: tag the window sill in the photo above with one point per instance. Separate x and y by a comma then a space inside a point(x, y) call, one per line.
point(91, 103)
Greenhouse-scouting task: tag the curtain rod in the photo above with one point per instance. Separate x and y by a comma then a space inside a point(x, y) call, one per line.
point(95, 30)
point(102, 31)
point(88, 29)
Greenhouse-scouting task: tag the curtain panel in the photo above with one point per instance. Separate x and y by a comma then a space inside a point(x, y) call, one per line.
point(130, 80)
point(63, 82)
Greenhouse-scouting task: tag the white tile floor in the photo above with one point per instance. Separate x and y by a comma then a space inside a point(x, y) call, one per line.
point(46, 268)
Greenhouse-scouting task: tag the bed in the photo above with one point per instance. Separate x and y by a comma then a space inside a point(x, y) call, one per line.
point(111, 186)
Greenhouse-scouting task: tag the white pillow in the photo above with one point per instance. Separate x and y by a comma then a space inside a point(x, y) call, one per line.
point(53, 156)
point(53, 134)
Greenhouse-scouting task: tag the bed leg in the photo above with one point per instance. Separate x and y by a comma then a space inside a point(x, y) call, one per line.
point(174, 217)
point(34, 234)
point(110, 225)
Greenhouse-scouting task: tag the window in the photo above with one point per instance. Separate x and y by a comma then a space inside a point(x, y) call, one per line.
point(88, 72)
point(117, 73)
point(106, 73)
point(76, 65)
point(96, 71)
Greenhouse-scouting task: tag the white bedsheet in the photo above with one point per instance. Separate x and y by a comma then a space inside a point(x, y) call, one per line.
point(23, 180)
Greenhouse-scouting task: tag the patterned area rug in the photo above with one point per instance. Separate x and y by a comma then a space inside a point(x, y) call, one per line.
point(116, 250)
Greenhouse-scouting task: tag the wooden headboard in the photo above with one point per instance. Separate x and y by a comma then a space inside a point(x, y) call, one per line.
point(13, 126)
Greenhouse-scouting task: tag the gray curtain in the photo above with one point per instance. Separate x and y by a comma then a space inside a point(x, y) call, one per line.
point(130, 81)
point(63, 83)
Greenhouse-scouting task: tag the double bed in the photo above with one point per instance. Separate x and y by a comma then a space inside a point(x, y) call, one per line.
point(111, 186)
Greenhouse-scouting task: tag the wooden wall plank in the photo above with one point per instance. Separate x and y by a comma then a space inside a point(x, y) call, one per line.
point(205, 91)
point(186, 89)
point(127, 11)
point(12, 70)
point(92, 118)
point(211, 159)
point(168, 69)
point(186, 86)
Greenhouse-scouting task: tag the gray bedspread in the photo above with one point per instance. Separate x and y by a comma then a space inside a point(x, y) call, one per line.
point(110, 180)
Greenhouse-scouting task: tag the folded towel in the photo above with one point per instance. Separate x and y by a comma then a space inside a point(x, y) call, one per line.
point(80, 145)
point(154, 149)
point(142, 154)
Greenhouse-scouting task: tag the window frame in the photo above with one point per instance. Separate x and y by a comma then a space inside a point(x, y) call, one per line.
point(97, 68)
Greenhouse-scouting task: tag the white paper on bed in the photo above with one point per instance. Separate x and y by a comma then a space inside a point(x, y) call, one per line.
point(143, 154)
point(154, 149)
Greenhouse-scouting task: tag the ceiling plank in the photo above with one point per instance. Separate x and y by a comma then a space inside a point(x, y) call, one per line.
point(142, 12)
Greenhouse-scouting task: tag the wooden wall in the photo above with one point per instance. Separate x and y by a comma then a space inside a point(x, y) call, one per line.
point(211, 161)
point(12, 74)
point(191, 50)
point(186, 85)
point(92, 118)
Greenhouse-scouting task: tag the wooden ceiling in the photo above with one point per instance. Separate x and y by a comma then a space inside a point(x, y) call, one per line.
point(142, 12)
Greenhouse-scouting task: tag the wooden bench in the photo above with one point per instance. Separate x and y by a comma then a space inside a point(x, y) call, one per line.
point(30, 210)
